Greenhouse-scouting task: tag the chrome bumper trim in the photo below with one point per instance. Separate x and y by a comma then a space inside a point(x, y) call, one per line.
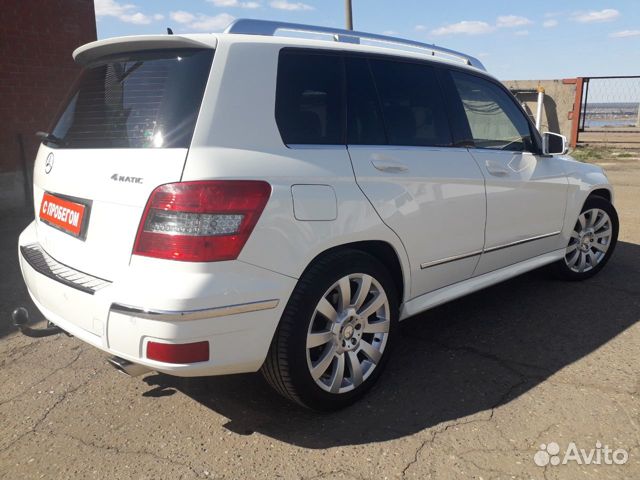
point(172, 315)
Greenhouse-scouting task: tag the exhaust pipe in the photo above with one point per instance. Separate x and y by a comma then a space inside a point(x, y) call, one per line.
point(127, 367)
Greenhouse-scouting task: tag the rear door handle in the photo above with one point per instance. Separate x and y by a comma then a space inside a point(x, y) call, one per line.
point(497, 169)
point(389, 166)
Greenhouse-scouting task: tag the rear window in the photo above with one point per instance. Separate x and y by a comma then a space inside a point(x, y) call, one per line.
point(365, 125)
point(309, 98)
point(145, 99)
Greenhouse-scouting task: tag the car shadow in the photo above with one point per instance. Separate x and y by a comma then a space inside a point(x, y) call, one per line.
point(13, 292)
point(468, 356)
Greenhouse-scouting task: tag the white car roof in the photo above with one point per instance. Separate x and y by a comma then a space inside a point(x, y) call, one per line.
point(265, 32)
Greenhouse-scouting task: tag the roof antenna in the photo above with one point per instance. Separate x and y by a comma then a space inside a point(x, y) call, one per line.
point(169, 31)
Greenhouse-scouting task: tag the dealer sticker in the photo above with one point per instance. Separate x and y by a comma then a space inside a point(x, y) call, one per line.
point(63, 214)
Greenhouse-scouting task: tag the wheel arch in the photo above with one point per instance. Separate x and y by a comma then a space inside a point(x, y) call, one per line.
point(579, 193)
point(381, 250)
point(602, 193)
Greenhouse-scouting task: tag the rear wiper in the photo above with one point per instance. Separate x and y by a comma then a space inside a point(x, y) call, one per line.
point(50, 138)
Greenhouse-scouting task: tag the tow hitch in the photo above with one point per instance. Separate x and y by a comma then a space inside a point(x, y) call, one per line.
point(20, 318)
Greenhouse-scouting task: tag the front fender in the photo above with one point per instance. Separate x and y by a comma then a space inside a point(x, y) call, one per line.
point(584, 179)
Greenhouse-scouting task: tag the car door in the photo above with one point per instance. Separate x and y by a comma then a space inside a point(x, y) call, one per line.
point(526, 192)
point(430, 193)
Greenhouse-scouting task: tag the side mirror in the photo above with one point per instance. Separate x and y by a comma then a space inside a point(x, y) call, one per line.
point(554, 144)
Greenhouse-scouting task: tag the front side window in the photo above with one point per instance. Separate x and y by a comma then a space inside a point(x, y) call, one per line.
point(412, 106)
point(145, 99)
point(494, 119)
point(309, 98)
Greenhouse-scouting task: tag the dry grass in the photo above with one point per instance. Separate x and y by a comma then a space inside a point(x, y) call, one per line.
point(596, 153)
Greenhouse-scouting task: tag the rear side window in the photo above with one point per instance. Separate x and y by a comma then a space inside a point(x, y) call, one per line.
point(412, 105)
point(137, 100)
point(365, 125)
point(494, 119)
point(309, 98)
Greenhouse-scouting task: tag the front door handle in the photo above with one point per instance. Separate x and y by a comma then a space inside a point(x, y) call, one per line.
point(389, 166)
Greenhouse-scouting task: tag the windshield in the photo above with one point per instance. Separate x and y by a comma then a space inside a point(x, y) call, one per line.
point(145, 99)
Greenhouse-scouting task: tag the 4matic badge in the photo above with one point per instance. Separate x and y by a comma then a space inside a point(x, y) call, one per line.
point(125, 179)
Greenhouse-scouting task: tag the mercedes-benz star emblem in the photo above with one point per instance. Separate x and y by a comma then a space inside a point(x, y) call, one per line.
point(49, 163)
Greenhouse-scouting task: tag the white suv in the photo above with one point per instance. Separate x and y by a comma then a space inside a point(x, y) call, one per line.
point(224, 203)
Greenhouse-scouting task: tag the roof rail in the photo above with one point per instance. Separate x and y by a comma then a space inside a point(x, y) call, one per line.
point(246, 26)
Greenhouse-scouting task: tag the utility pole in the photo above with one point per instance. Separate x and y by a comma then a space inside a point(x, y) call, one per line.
point(349, 14)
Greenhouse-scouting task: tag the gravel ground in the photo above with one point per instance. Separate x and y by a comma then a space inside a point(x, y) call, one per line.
point(474, 389)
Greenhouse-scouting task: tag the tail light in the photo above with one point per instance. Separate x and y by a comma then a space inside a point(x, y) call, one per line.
point(205, 221)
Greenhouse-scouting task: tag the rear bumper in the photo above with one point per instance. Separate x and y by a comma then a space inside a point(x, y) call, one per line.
point(232, 305)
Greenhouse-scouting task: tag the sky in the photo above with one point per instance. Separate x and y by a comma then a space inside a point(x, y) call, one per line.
point(540, 39)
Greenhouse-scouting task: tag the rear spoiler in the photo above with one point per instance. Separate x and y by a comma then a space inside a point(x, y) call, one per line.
point(100, 48)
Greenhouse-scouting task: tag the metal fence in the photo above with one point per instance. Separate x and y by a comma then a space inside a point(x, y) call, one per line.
point(609, 111)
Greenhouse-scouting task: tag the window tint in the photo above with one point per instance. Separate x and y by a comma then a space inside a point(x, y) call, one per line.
point(494, 119)
point(309, 104)
point(460, 132)
point(364, 119)
point(412, 103)
point(141, 99)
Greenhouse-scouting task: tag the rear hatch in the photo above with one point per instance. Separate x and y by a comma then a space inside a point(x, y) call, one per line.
point(125, 129)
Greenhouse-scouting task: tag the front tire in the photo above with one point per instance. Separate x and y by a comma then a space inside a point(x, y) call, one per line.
point(336, 333)
point(592, 241)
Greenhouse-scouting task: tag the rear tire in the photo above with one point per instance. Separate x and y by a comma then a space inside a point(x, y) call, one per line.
point(336, 332)
point(592, 241)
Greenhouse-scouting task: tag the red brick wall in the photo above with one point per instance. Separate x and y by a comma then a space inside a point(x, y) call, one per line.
point(37, 38)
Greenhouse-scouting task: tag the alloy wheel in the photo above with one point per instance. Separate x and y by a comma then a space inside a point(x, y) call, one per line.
point(590, 240)
point(348, 333)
